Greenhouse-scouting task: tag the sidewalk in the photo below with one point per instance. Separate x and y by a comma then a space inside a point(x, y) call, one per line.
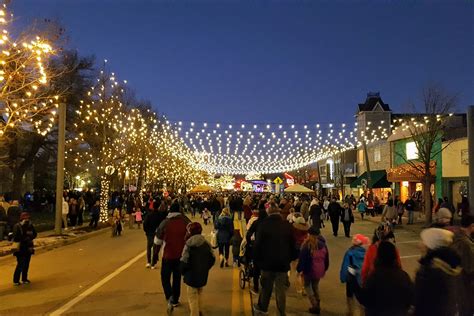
point(48, 240)
point(416, 227)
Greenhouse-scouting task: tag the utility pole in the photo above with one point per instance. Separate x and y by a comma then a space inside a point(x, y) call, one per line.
point(60, 168)
point(470, 140)
point(367, 165)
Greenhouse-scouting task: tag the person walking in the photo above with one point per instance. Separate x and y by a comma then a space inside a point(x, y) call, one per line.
point(410, 207)
point(316, 214)
point(334, 210)
point(171, 235)
point(400, 211)
point(23, 235)
point(95, 214)
point(138, 216)
point(196, 261)
point(250, 239)
point(352, 266)
point(389, 213)
point(273, 250)
point(388, 290)
point(382, 233)
point(347, 218)
point(463, 244)
point(152, 220)
point(300, 232)
point(225, 231)
point(361, 208)
point(436, 279)
point(313, 264)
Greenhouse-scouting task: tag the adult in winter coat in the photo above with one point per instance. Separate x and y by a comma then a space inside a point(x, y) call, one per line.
point(300, 232)
point(152, 220)
point(436, 279)
point(382, 233)
point(225, 231)
point(274, 249)
point(352, 266)
point(171, 235)
point(315, 213)
point(313, 264)
point(196, 261)
point(347, 218)
point(23, 235)
point(388, 290)
point(390, 213)
point(304, 209)
point(250, 239)
point(334, 210)
point(463, 244)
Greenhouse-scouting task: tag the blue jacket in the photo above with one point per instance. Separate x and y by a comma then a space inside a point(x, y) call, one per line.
point(225, 229)
point(354, 256)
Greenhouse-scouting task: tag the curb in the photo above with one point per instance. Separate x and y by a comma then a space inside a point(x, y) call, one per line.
point(59, 243)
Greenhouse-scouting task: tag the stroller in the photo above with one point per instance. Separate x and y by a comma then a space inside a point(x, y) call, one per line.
point(246, 264)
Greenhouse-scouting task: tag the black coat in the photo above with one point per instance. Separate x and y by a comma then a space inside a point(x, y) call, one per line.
point(315, 212)
point(334, 210)
point(351, 215)
point(387, 292)
point(196, 261)
point(24, 234)
point(435, 283)
point(152, 221)
point(275, 245)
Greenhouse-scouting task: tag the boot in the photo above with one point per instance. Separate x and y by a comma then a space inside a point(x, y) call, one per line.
point(221, 257)
point(316, 308)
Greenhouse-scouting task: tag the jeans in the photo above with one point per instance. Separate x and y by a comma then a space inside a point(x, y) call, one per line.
point(170, 268)
point(281, 282)
point(151, 256)
point(224, 249)
point(22, 266)
point(410, 217)
point(311, 287)
point(195, 300)
point(73, 219)
point(94, 221)
point(347, 228)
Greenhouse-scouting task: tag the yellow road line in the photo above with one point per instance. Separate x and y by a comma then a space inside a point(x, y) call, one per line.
point(236, 295)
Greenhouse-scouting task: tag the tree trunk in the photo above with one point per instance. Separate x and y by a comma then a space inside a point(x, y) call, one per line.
point(17, 184)
point(427, 199)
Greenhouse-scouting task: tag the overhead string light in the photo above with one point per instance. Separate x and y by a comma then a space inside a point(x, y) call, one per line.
point(268, 148)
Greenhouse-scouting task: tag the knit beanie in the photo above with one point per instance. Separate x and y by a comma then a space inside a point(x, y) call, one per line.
point(436, 237)
point(359, 240)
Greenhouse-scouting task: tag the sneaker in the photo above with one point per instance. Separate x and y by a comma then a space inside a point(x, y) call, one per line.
point(170, 308)
point(16, 284)
point(176, 304)
point(258, 311)
point(26, 282)
point(148, 266)
point(153, 267)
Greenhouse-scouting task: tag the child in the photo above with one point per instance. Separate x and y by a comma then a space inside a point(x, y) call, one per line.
point(236, 241)
point(196, 261)
point(352, 266)
point(116, 223)
point(206, 216)
point(138, 216)
point(313, 264)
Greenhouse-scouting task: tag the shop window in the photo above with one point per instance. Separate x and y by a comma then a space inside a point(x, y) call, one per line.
point(411, 151)
point(377, 156)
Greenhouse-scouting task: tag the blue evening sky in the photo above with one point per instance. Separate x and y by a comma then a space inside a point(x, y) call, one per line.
point(272, 61)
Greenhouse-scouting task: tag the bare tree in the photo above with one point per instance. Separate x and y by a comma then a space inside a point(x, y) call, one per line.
point(426, 129)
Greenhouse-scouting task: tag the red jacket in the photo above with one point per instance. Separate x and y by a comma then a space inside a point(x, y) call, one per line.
point(172, 232)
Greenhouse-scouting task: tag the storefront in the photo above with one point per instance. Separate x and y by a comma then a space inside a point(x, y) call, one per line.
point(456, 172)
point(407, 179)
point(381, 187)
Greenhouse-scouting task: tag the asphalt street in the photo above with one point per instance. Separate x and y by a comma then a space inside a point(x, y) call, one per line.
point(107, 276)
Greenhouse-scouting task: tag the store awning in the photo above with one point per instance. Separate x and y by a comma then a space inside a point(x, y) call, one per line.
point(378, 179)
point(408, 172)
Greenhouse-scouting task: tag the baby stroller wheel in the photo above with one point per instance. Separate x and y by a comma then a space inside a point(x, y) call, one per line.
point(242, 279)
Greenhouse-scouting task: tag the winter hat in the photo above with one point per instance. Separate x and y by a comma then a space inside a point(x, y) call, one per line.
point(194, 228)
point(300, 220)
point(24, 215)
point(436, 237)
point(314, 231)
point(443, 213)
point(359, 240)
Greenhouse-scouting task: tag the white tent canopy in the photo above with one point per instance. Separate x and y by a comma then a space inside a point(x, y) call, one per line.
point(298, 188)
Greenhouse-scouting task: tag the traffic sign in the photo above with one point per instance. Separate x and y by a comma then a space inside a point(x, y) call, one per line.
point(278, 180)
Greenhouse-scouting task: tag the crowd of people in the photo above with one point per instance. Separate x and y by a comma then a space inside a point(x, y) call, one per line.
point(283, 240)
